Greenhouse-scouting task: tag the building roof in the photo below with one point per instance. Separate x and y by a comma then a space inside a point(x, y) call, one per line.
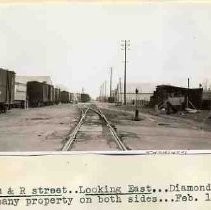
point(177, 87)
point(25, 79)
point(2, 69)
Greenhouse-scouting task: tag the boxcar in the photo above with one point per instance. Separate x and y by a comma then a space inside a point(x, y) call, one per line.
point(57, 95)
point(65, 97)
point(85, 97)
point(37, 94)
point(20, 95)
point(77, 97)
point(71, 97)
point(50, 94)
point(7, 89)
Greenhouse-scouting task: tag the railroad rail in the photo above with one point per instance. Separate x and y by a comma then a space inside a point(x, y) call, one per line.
point(72, 138)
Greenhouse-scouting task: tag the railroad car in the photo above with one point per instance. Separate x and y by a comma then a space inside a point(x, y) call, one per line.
point(53, 95)
point(65, 97)
point(77, 97)
point(7, 89)
point(111, 99)
point(50, 95)
point(37, 94)
point(71, 97)
point(20, 95)
point(85, 97)
point(57, 95)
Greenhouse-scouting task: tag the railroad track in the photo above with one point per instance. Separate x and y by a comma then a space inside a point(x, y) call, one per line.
point(93, 132)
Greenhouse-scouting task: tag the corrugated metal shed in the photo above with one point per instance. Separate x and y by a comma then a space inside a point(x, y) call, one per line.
point(163, 92)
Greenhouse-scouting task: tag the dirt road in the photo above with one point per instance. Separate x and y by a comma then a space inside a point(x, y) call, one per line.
point(45, 128)
point(37, 129)
point(158, 132)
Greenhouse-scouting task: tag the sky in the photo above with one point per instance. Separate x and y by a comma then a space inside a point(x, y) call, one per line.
point(77, 43)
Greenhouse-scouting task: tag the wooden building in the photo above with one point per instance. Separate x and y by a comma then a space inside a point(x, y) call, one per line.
point(177, 97)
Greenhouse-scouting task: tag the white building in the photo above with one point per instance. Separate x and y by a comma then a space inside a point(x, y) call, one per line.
point(20, 95)
point(25, 79)
point(21, 88)
point(145, 91)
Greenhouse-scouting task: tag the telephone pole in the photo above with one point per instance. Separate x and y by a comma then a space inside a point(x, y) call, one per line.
point(101, 92)
point(188, 93)
point(111, 81)
point(120, 90)
point(125, 46)
point(105, 88)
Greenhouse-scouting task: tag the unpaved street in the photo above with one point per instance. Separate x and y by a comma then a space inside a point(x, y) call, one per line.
point(158, 132)
point(36, 129)
point(45, 129)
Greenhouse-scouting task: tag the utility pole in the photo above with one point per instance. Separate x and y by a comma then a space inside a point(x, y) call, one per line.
point(188, 93)
point(111, 81)
point(120, 89)
point(101, 92)
point(117, 94)
point(125, 44)
point(105, 89)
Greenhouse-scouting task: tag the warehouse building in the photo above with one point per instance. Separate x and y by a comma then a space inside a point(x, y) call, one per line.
point(25, 79)
point(145, 91)
point(21, 100)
